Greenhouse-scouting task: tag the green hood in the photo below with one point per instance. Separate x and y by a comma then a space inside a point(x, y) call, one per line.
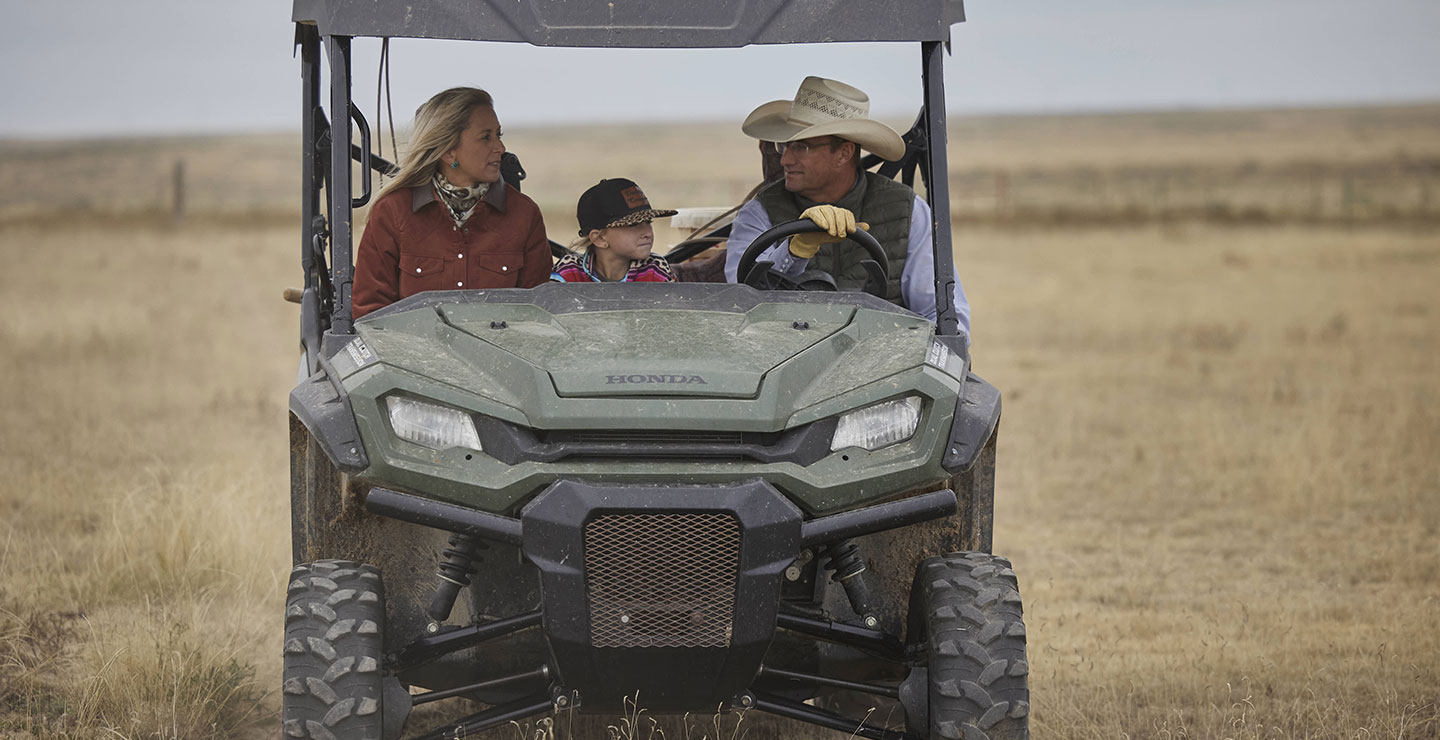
point(653, 352)
point(661, 362)
point(542, 357)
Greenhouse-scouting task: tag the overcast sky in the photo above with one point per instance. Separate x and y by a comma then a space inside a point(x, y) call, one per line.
point(101, 67)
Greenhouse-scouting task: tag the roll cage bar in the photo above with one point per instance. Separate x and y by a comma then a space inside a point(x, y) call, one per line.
point(328, 26)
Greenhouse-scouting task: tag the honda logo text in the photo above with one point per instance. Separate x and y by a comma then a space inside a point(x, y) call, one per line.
point(666, 379)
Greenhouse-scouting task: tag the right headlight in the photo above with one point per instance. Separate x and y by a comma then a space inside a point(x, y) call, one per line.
point(431, 425)
point(877, 426)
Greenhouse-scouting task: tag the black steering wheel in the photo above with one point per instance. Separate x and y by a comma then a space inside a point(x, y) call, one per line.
point(801, 226)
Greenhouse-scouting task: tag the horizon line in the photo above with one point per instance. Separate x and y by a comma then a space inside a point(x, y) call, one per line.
point(951, 114)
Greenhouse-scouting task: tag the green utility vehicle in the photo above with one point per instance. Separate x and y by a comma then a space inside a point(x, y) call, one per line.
point(691, 495)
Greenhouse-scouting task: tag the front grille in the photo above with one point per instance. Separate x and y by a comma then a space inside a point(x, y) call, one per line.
point(661, 580)
point(645, 436)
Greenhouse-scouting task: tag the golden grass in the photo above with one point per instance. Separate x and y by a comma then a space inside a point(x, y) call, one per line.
point(143, 494)
point(1218, 477)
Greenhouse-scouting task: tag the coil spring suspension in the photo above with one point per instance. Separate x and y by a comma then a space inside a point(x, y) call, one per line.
point(457, 563)
point(845, 560)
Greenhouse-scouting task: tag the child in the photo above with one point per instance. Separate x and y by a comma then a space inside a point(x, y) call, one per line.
point(615, 231)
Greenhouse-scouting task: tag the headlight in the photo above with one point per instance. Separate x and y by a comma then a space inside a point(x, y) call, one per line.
point(430, 425)
point(876, 426)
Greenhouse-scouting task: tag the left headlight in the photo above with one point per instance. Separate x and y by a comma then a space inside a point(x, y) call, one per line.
point(431, 425)
point(878, 426)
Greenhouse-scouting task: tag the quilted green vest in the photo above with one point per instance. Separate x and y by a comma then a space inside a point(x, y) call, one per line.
point(882, 203)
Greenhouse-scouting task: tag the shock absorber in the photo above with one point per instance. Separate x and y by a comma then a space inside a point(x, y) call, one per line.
point(848, 565)
point(457, 563)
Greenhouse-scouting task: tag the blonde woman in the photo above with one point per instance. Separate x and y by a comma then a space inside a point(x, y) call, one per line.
point(448, 222)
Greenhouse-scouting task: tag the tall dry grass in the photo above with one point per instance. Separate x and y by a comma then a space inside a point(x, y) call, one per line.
point(1218, 467)
point(142, 488)
point(1219, 476)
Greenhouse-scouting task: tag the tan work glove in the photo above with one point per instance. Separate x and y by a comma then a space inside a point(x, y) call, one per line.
point(837, 223)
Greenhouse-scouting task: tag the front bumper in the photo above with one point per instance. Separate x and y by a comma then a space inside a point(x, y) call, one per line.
point(668, 591)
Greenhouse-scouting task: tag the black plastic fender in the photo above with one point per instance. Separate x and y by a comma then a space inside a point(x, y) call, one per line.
point(976, 415)
point(321, 404)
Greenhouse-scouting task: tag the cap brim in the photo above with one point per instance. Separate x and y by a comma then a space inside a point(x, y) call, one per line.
point(640, 217)
point(770, 122)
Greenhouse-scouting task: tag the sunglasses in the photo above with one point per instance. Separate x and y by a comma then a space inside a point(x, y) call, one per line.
point(801, 148)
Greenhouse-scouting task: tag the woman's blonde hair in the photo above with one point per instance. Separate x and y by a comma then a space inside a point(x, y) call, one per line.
point(439, 122)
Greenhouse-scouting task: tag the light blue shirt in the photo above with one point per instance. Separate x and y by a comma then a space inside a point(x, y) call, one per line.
point(917, 280)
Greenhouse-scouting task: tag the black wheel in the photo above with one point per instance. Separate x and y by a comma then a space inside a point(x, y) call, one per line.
point(977, 674)
point(334, 627)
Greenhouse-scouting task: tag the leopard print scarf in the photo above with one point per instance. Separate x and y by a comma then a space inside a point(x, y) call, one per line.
point(459, 201)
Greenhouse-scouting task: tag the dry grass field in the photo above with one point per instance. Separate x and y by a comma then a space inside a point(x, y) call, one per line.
point(1219, 471)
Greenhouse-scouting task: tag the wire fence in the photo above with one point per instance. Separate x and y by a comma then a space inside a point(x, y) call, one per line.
point(1302, 192)
point(258, 177)
point(162, 178)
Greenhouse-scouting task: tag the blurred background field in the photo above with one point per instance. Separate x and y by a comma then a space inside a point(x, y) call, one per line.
point(1320, 166)
point(1219, 478)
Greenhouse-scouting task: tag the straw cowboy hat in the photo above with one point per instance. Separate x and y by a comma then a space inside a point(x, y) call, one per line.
point(824, 108)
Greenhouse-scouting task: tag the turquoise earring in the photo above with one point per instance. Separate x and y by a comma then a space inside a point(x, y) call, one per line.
point(454, 164)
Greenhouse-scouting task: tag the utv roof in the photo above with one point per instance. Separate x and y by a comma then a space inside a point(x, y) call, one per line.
point(638, 23)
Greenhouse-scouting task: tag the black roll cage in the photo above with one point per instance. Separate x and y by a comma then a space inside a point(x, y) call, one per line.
point(328, 26)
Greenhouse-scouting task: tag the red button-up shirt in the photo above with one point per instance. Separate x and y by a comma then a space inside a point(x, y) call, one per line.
point(411, 245)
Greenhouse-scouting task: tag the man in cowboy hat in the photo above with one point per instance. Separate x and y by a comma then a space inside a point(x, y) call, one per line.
point(820, 134)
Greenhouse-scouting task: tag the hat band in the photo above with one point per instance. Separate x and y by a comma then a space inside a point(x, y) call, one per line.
point(813, 106)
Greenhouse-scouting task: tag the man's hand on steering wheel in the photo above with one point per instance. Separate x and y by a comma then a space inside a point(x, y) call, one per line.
point(877, 267)
point(838, 224)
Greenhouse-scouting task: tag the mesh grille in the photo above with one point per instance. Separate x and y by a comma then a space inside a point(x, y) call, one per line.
point(661, 580)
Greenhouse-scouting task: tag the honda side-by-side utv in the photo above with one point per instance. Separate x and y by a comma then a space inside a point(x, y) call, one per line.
point(765, 496)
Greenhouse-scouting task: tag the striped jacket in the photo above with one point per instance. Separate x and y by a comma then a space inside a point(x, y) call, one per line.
point(581, 269)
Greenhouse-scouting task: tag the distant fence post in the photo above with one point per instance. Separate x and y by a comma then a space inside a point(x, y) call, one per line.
point(1002, 194)
point(177, 192)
